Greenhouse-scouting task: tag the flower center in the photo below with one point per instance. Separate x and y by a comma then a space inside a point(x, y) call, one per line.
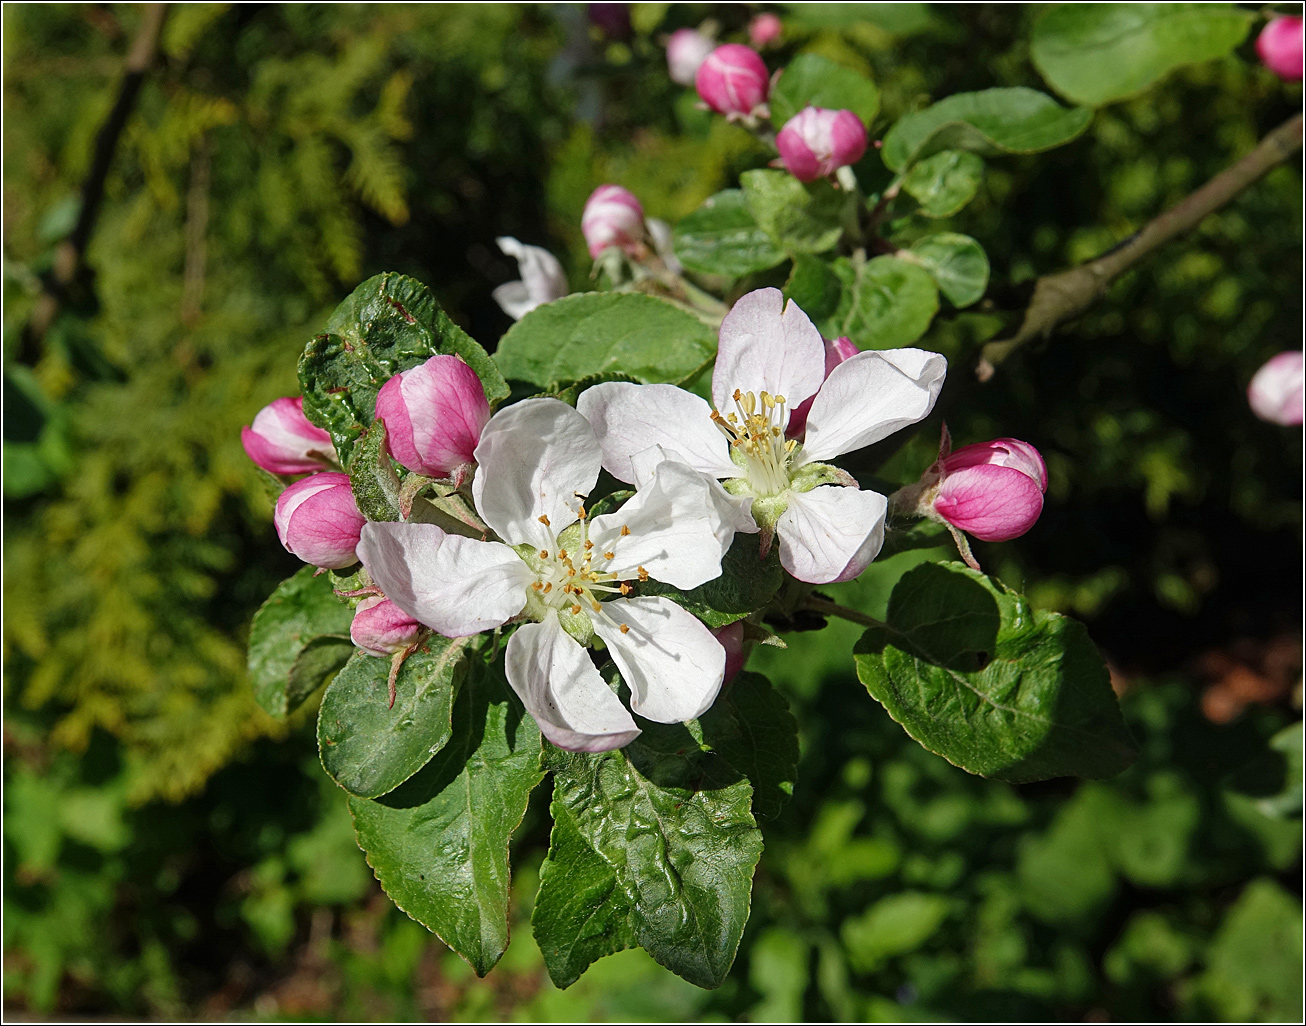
point(757, 440)
point(577, 580)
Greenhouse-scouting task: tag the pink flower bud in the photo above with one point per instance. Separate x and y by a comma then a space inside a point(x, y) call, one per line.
point(687, 49)
point(733, 80)
point(381, 628)
point(731, 637)
point(433, 415)
point(835, 353)
point(992, 490)
point(317, 519)
point(1275, 392)
point(816, 142)
point(613, 217)
point(282, 441)
point(763, 29)
point(1280, 47)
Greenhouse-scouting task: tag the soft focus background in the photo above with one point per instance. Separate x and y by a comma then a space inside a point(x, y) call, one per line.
point(169, 850)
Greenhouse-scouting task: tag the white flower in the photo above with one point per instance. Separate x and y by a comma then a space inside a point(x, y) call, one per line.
point(568, 572)
point(771, 358)
point(542, 279)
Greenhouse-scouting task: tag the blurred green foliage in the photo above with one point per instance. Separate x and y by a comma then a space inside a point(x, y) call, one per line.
point(279, 154)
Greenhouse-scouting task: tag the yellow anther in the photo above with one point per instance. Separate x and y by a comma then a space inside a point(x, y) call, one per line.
point(571, 571)
point(537, 585)
point(548, 587)
point(544, 553)
point(625, 588)
point(581, 513)
point(562, 553)
point(625, 628)
point(609, 555)
point(737, 396)
point(643, 574)
point(544, 520)
point(624, 530)
point(575, 610)
point(779, 400)
point(588, 544)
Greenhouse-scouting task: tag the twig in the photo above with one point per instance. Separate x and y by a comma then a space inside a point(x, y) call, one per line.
point(1060, 297)
point(820, 605)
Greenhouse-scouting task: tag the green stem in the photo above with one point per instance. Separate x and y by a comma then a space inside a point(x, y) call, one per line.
point(820, 605)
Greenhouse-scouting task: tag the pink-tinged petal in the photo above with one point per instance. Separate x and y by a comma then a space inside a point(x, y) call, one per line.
point(455, 585)
point(1001, 452)
point(767, 345)
point(869, 397)
point(687, 49)
point(381, 628)
point(670, 660)
point(816, 142)
point(990, 502)
point(733, 80)
point(317, 519)
point(1280, 48)
point(831, 533)
point(629, 419)
point(847, 138)
point(555, 680)
point(537, 459)
point(836, 352)
point(283, 441)
point(1275, 391)
point(800, 160)
point(731, 637)
point(612, 217)
point(433, 415)
point(763, 29)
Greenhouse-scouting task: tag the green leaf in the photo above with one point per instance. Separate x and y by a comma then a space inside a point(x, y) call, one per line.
point(302, 609)
point(958, 263)
point(810, 79)
point(372, 476)
point(601, 332)
point(974, 674)
point(722, 237)
point(370, 749)
point(317, 661)
point(570, 392)
point(439, 843)
point(894, 925)
point(747, 583)
point(814, 286)
point(991, 123)
point(389, 324)
point(799, 218)
point(886, 302)
point(672, 824)
point(900, 19)
point(944, 183)
point(1099, 53)
point(750, 726)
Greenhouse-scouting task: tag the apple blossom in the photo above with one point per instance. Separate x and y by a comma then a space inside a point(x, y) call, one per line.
point(991, 490)
point(816, 142)
point(771, 358)
point(282, 441)
point(733, 80)
point(571, 575)
point(317, 519)
point(1275, 391)
point(687, 49)
point(764, 29)
point(542, 279)
point(433, 415)
point(1280, 48)
point(613, 217)
point(381, 628)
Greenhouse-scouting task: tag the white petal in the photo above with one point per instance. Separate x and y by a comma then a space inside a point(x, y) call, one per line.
point(534, 458)
point(677, 531)
point(455, 585)
point(664, 242)
point(767, 347)
point(556, 681)
point(514, 299)
point(735, 511)
point(671, 661)
point(831, 533)
point(541, 273)
point(869, 397)
point(629, 418)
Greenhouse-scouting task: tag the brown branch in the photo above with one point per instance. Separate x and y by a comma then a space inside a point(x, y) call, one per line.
point(1059, 297)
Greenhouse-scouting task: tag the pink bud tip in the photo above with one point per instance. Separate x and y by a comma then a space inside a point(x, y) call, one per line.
point(317, 519)
point(731, 637)
point(764, 29)
point(816, 142)
point(733, 80)
point(433, 415)
point(992, 490)
point(282, 441)
point(1275, 392)
point(687, 49)
point(1280, 47)
point(381, 628)
point(835, 353)
point(613, 217)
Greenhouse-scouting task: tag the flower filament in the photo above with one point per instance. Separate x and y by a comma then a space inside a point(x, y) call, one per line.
point(756, 432)
point(576, 580)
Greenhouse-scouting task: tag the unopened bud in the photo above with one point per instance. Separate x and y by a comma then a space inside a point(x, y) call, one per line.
point(836, 352)
point(433, 415)
point(816, 142)
point(992, 490)
point(764, 29)
point(1275, 392)
point(381, 628)
point(317, 519)
point(282, 441)
point(613, 217)
point(1280, 47)
point(687, 49)
point(733, 80)
point(731, 637)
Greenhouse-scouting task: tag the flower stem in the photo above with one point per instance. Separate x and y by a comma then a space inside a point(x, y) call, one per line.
point(820, 605)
